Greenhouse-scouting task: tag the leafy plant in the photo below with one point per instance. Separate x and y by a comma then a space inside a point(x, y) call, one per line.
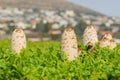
point(42, 61)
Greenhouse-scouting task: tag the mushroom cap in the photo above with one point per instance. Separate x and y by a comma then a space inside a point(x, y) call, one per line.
point(107, 41)
point(69, 43)
point(18, 40)
point(107, 35)
point(90, 35)
point(104, 42)
point(112, 44)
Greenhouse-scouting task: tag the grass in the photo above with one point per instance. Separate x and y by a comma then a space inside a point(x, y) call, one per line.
point(42, 61)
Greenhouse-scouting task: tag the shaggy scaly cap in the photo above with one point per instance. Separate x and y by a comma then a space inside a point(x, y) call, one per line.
point(108, 36)
point(69, 44)
point(104, 42)
point(107, 41)
point(90, 35)
point(112, 44)
point(18, 40)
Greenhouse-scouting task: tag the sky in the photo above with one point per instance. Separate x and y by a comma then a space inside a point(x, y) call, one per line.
point(108, 7)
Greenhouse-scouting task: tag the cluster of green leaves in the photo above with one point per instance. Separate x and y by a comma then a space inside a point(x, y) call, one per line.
point(42, 61)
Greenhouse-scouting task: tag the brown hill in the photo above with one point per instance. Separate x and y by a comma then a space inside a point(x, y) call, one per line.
point(47, 5)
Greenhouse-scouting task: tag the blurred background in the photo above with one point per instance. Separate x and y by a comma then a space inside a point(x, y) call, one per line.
point(45, 20)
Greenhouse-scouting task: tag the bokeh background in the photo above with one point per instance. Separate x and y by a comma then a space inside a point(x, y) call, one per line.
point(45, 20)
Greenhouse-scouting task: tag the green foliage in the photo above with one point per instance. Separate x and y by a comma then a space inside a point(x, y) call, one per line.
point(43, 61)
point(79, 29)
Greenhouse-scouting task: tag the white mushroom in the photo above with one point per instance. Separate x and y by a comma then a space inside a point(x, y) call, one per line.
point(90, 35)
point(108, 36)
point(112, 44)
point(69, 44)
point(107, 41)
point(104, 42)
point(18, 41)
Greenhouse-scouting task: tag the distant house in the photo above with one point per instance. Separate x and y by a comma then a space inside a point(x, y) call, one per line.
point(33, 23)
point(54, 32)
point(49, 20)
point(17, 11)
point(70, 13)
point(63, 23)
point(55, 26)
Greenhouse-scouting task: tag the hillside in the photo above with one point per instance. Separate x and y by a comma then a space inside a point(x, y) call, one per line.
point(47, 5)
